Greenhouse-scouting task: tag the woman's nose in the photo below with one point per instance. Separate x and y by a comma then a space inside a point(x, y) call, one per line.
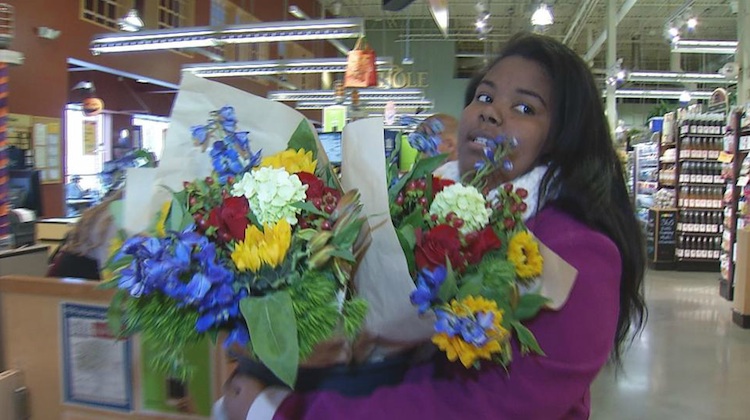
point(490, 116)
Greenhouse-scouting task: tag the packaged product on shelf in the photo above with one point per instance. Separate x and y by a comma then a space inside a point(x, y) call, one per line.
point(664, 198)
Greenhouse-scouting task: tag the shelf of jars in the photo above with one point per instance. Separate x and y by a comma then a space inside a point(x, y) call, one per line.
point(699, 188)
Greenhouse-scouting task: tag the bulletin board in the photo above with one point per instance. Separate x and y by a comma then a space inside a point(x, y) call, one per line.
point(41, 137)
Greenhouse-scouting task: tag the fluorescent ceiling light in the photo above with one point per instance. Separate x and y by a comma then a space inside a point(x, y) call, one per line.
point(269, 67)
point(657, 94)
point(667, 77)
point(299, 14)
point(364, 94)
point(704, 47)
point(542, 16)
point(375, 105)
point(200, 37)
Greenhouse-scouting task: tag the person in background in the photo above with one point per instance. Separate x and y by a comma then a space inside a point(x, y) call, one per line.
point(86, 248)
point(541, 93)
point(73, 190)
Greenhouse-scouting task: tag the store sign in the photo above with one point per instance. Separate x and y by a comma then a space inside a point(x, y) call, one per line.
point(397, 78)
point(719, 101)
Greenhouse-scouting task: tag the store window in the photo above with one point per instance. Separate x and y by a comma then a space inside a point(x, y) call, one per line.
point(153, 132)
point(85, 153)
point(174, 13)
point(102, 12)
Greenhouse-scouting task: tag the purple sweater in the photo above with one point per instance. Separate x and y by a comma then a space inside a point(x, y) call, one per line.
point(577, 340)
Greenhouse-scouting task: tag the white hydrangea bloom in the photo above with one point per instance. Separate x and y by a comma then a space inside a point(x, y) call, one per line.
point(270, 193)
point(466, 202)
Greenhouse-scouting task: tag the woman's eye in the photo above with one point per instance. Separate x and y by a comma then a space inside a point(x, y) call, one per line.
point(524, 109)
point(483, 97)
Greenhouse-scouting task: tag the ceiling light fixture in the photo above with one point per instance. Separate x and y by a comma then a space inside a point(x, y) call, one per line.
point(542, 16)
point(271, 67)
point(131, 22)
point(364, 94)
point(299, 14)
point(657, 94)
point(675, 77)
point(371, 105)
point(704, 47)
point(200, 37)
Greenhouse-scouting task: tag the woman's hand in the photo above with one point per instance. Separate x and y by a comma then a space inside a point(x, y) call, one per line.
point(239, 394)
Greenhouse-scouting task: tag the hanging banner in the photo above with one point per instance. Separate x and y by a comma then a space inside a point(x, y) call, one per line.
point(719, 101)
point(89, 137)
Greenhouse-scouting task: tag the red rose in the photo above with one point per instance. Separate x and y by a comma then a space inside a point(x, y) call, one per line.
point(479, 243)
point(315, 187)
point(438, 243)
point(439, 183)
point(231, 217)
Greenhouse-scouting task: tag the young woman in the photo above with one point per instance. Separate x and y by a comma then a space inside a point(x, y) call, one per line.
point(540, 92)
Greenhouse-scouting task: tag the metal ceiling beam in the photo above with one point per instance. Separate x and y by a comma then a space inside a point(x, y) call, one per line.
point(579, 20)
point(594, 50)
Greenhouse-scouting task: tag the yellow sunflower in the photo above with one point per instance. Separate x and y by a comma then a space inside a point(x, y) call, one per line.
point(523, 252)
point(292, 161)
point(268, 246)
point(114, 246)
point(456, 348)
point(161, 222)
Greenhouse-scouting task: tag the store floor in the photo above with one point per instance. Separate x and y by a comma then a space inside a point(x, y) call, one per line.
point(691, 362)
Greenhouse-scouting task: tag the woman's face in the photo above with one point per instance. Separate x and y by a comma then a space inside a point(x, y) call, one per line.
point(514, 100)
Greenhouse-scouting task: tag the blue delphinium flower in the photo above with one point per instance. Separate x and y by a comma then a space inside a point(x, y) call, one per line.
point(474, 331)
point(239, 336)
point(200, 132)
point(227, 119)
point(226, 161)
point(447, 322)
point(424, 143)
point(428, 286)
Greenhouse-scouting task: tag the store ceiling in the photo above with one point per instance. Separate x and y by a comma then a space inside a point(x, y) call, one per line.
point(640, 36)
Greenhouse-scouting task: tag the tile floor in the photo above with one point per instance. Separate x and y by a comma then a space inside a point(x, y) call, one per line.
point(691, 362)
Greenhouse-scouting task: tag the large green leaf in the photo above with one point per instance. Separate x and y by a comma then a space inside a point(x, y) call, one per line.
point(529, 305)
point(408, 251)
point(448, 289)
point(178, 214)
point(527, 339)
point(303, 138)
point(273, 333)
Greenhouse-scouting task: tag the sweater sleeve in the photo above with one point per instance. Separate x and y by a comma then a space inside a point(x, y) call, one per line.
point(577, 340)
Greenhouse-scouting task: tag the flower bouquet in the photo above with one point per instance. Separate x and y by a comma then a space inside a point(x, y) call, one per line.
point(472, 258)
point(262, 249)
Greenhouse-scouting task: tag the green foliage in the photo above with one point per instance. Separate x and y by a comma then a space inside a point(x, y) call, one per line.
point(355, 311)
point(448, 289)
point(314, 303)
point(304, 138)
point(423, 168)
point(529, 305)
point(527, 339)
point(157, 319)
point(273, 333)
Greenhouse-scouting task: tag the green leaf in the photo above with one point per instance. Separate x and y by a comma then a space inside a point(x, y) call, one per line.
point(344, 254)
point(527, 339)
point(409, 235)
point(310, 208)
point(306, 234)
point(471, 285)
point(408, 251)
point(448, 289)
point(348, 234)
point(273, 333)
point(414, 219)
point(303, 138)
point(529, 305)
point(114, 312)
point(177, 212)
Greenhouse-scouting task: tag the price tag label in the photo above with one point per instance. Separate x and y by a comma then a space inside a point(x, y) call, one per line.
point(725, 157)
